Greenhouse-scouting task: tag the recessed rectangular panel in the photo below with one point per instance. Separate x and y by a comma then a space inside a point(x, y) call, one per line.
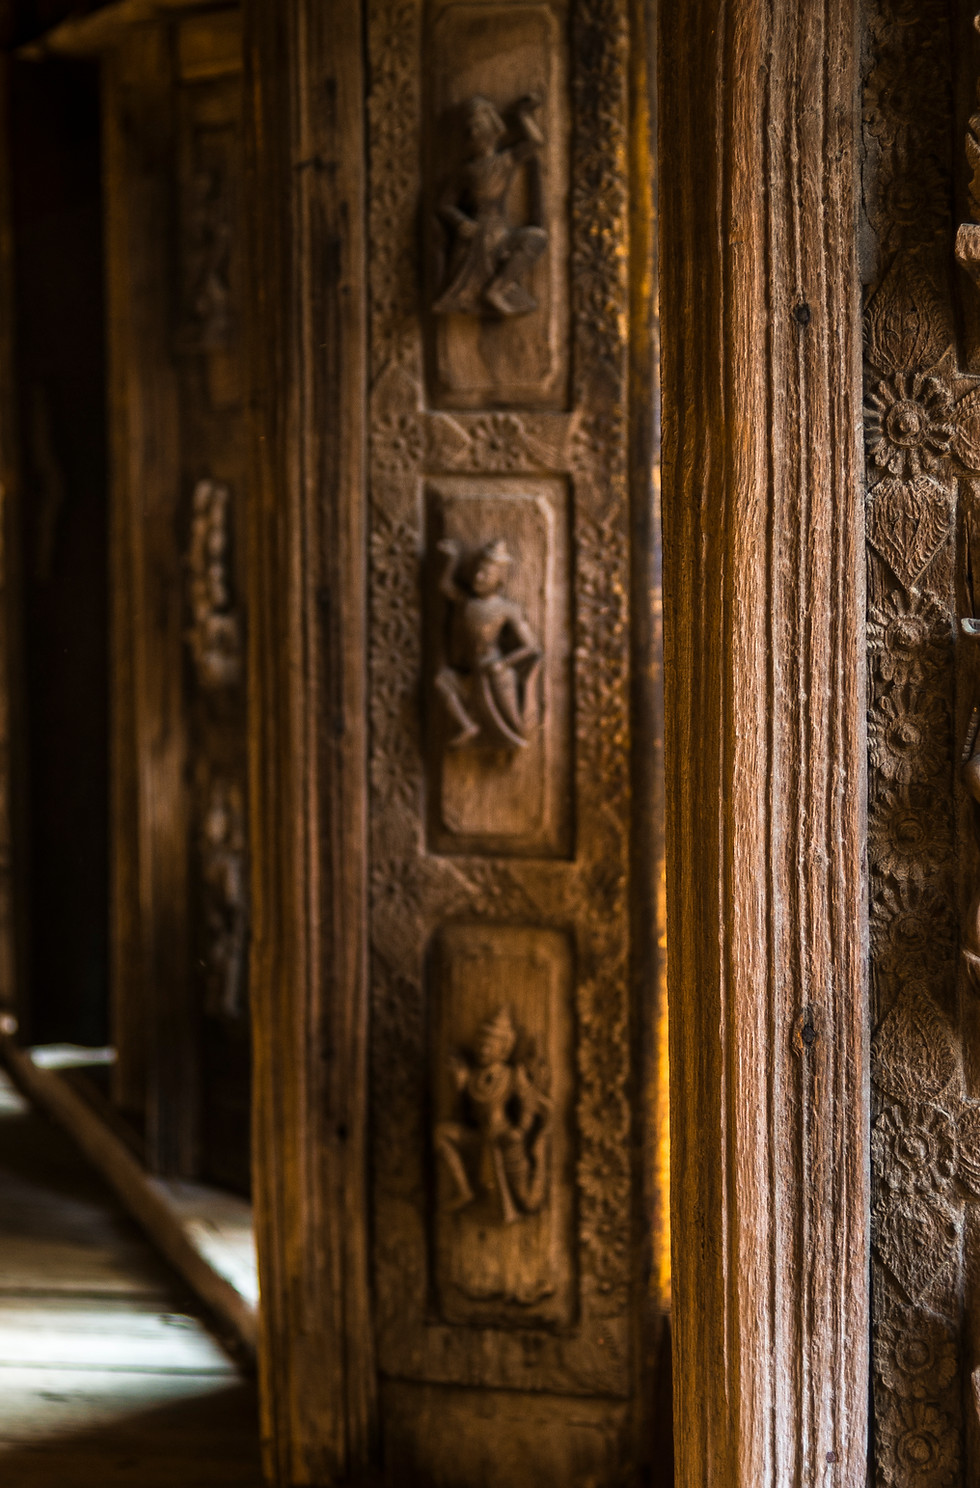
point(495, 207)
point(498, 624)
point(499, 1439)
point(502, 1095)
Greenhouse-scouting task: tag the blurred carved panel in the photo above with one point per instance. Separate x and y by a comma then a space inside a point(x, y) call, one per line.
point(174, 204)
point(495, 205)
point(499, 665)
point(515, 1437)
point(500, 744)
point(502, 1080)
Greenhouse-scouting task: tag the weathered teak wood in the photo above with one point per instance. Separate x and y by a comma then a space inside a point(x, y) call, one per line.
point(305, 192)
point(172, 99)
point(765, 671)
point(10, 741)
point(443, 684)
point(150, 931)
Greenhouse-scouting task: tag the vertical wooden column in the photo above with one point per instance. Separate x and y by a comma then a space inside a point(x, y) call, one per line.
point(764, 588)
point(11, 765)
point(152, 996)
point(305, 188)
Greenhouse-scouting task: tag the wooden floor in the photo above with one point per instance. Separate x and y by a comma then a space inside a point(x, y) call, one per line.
point(108, 1376)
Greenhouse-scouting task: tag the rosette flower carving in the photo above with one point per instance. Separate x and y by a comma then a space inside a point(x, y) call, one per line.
point(909, 832)
point(912, 927)
point(917, 1446)
point(909, 636)
point(913, 1149)
point(915, 1353)
point(908, 732)
point(908, 428)
point(397, 442)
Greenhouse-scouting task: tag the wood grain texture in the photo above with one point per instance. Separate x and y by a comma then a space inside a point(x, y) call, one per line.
point(151, 990)
point(765, 776)
point(304, 107)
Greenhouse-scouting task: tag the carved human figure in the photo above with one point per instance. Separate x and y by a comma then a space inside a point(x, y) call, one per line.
point(215, 635)
point(500, 1143)
point(223, 871)
point(490, 255)
point(487, 683)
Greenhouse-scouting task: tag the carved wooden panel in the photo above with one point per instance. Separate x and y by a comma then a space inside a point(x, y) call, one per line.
point(495, 205)
point(499, 695)
point(501, 1045)
point(921, 435)
point(498, 740)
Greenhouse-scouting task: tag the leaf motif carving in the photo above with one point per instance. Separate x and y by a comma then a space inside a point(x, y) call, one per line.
point(966, 433)
point(916, 1237)
point(914, 1054)
point(907, 326)
point(909, 523)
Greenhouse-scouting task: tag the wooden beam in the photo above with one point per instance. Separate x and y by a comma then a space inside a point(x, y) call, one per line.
point(764, 589)
point(305, 188)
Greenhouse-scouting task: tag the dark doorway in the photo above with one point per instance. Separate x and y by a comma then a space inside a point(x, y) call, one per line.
point(61, 549)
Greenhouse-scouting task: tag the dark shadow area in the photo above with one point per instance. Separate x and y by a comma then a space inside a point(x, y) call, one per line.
point(208, 1442)
point(62, 547)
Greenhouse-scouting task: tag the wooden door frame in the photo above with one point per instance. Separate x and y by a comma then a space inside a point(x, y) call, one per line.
point(764, 590)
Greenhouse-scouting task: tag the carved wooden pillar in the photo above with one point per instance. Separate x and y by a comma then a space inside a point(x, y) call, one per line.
point(453, 960)
point(765, 671)
point(173, 151)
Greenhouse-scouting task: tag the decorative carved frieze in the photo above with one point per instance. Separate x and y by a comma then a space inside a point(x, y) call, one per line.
point(500, 856)
point(214, 636)
point(923, 446)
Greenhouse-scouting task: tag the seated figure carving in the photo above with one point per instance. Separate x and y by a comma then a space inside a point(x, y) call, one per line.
point(487, 683)
point(500, 1143)
point(490, 255)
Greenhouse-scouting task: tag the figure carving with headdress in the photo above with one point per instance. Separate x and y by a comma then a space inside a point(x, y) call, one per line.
point(493, 654)
point(489, 256)
point(499, 1144)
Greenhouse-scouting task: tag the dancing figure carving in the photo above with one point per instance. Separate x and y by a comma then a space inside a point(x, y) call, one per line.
point(489, 254)
point(499, 1144)
point(487, 682)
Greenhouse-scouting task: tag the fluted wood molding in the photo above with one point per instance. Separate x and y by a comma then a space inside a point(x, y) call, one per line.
point(305, 194)
point(764, 592)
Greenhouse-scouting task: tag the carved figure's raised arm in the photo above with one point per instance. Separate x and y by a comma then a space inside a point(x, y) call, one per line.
point(524, 110)
point(449, 549)
point(459, 1069)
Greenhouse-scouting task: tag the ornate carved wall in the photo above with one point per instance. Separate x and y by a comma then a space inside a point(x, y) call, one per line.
point(499, 754)
point(922, 433)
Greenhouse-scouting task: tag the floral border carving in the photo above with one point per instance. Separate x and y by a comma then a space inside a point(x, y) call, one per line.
point(922, 435)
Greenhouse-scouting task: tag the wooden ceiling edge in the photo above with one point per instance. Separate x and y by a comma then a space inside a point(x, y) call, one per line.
point(90, 35)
